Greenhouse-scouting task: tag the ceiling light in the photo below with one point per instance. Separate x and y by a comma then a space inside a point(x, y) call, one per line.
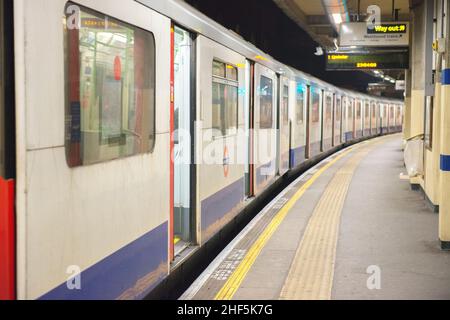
point(337, 17)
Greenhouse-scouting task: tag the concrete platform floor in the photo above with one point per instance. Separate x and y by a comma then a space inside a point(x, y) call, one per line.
point(385, 244)
point(387, 225)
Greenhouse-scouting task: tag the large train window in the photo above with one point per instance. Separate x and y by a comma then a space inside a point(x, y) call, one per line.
point(110, 78)
point(225, 98)
point(285, 106)
point(266, 103)
point(315, 106)
point(300, 104)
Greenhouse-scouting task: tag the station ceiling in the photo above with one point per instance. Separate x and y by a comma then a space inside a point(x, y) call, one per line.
point(315, 17)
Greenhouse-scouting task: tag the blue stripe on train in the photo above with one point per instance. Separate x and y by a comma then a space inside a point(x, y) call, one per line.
point(348, 136)
point(265, 172)
point(298, 156)
point(130, 273)
point(221, 203)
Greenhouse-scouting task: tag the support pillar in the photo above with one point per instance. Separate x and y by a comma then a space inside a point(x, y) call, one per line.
point(444, 217)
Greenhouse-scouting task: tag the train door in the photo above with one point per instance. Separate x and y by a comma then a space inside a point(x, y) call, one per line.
point(250, 126)
point(373, 121)
point(283, 125)
point(308, 123)
point(351, 122)
point(347, 120)
point(379, 122)
point(314, 122)
point(338, 123)
point(327, 123)
point(298, 124)
point(183, 224)
point(265, 133)
point(367, 119)
point(358, 119)
point(7, 154)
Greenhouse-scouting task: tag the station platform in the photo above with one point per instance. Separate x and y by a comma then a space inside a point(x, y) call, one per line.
point(349, 228)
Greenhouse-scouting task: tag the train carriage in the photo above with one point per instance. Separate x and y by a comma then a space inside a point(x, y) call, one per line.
point(92, 183)
point(153, 129)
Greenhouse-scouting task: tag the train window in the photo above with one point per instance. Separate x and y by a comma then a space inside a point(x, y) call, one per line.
point(266, 103)
point(110, 105)
point(300, 105)
point(219, 69)
point(315, 106)
point(285, 105)
point(232, 73)
point(225, 98)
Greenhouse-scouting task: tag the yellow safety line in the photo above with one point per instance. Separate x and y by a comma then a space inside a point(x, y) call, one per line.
point(312, 272)
point(234, 282)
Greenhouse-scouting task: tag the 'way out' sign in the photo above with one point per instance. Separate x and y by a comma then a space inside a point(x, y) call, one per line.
point(392, 34)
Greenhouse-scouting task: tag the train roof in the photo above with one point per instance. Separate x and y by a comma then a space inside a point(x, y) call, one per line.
point(193, 20)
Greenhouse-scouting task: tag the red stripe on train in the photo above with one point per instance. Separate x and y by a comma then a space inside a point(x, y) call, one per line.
point(7, 241)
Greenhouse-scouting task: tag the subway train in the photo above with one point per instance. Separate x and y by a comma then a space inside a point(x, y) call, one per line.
point(133, 132)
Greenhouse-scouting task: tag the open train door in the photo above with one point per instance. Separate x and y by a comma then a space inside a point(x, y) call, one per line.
point(7, 153)
point(283, 126)
point(183, 184)
point(250, 126)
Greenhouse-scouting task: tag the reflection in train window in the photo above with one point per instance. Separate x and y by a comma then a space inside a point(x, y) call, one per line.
point(300, 105)
point(285, 107)
point(266, 103)
point(110, 105)
point(315, 106)
point(224, 98)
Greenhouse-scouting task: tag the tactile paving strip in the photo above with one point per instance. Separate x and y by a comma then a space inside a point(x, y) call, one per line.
point(228, 266)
